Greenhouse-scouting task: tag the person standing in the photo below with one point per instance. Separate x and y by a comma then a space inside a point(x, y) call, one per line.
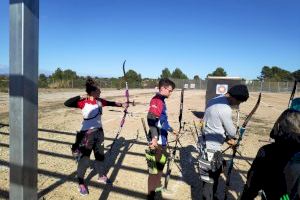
point(217, 128)
point(276, 167)
point(91, 136)
point(158, 137)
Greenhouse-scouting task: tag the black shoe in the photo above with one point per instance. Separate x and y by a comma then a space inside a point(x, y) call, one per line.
point(151, 196)
point(158, 196)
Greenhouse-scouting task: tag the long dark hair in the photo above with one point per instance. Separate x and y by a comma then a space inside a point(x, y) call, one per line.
point(90, 85)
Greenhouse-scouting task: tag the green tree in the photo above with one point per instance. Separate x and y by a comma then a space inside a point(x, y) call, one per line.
point(266, 73)
point(43, 81)
point(69, 74)
point(196, 78)
point(133, 78)
point(4, 83)
point(115, 83)
point(218, 72)
point(64, 78)
point(165, 73)
point(178, 74)
point(57, 75)
point(275, 74)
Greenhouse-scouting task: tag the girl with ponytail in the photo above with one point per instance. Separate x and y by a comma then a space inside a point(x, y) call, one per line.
point(91, 136)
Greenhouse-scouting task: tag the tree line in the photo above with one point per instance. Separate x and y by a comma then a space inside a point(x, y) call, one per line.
point(276, 74)
point(69, 78)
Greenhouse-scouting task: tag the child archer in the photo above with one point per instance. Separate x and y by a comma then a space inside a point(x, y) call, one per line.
point(91, 136)
point(158, 134)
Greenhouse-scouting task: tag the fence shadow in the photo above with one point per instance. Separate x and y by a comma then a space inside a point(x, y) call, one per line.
point(189, 166)
point(236, 184)
point(111, 162)
point(114, 160)
point(110, 158)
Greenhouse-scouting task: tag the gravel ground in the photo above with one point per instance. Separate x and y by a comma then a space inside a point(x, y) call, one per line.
point(126, 165)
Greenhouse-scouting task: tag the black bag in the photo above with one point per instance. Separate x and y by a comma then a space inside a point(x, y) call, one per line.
point(217, 161)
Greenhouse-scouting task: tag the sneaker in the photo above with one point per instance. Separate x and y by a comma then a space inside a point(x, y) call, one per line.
point(158, 196)
point(83, 190)
point(151, 196)
point(155, 195)
point(104, 179)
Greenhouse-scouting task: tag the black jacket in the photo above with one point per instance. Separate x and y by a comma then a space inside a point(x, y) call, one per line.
point(268, 172)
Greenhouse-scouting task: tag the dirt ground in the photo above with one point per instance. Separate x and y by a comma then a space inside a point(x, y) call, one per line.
point(126, 165)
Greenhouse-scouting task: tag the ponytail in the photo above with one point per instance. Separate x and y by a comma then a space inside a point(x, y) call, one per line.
point(90, 85)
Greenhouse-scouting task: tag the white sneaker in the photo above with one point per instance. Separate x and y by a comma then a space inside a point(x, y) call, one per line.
point(104, 179)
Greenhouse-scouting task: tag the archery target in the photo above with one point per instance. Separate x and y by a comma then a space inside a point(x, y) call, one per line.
point(221, 88)
point(192, 85)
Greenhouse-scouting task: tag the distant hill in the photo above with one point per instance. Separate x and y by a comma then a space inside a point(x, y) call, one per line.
point(4, 70)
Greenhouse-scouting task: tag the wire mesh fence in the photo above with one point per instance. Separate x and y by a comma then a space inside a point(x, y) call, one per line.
point(268, 86)
point(253, 85)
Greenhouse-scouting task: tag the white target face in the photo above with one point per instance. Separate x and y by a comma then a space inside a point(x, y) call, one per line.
point(221, 88)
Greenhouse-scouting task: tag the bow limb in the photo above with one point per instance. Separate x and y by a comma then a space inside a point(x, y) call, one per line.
point(171, 159)
point(241, 131)
point(293, 92)
point(181, 109)
point(125, 109)
point(252, 111)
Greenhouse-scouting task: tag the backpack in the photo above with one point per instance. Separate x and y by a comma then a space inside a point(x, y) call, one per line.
point(292, 178)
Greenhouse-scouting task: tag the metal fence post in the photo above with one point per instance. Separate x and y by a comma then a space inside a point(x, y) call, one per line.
point(23, 98)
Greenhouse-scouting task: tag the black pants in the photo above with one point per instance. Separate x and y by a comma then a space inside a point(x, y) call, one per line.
point(209, 190)
point(86, 142)
point(89, 140)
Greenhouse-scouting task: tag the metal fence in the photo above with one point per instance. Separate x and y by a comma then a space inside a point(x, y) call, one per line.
point(253, 86)
point(256, 86)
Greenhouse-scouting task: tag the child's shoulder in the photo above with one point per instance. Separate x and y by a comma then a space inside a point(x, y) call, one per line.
point(157, 98)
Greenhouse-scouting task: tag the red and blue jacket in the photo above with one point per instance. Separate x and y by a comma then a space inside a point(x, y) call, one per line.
point(158, 120)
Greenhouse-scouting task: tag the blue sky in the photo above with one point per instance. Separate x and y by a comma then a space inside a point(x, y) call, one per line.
point(94, 37)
